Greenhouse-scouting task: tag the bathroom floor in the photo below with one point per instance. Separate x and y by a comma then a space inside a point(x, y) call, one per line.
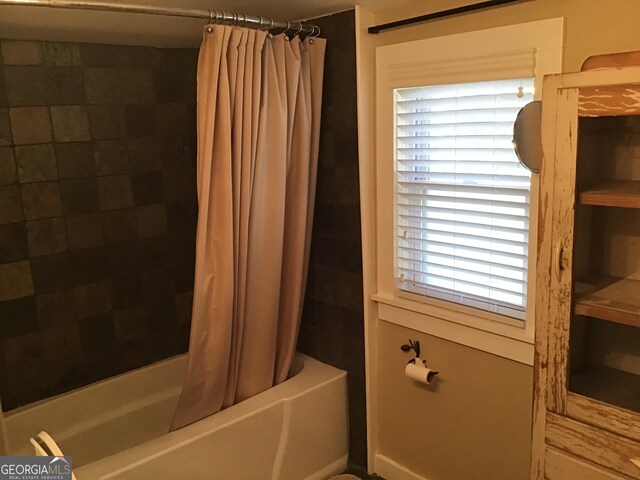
point(362, 474)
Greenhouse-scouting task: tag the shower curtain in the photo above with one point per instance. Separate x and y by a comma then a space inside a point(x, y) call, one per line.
point(259, 100)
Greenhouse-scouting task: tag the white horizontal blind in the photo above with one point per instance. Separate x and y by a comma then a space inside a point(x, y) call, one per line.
point(462, 196)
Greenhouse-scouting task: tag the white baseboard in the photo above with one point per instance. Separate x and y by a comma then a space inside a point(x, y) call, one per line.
point(390, 470)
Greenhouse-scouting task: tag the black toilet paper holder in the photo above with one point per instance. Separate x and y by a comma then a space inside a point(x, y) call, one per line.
point(412, 345)
point(415, 346)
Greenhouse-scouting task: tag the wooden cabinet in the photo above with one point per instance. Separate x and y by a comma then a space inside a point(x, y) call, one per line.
point(587, 371)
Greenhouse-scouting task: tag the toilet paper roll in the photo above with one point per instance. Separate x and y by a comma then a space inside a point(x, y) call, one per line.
point(420, 373)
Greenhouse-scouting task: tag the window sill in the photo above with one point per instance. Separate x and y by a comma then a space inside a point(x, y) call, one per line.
point(493, 337)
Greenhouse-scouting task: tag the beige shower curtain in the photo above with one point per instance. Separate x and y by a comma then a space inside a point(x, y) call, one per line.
point(259, 102)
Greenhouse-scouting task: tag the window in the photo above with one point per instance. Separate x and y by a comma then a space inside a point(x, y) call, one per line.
point(455, 213)
point(462, 197)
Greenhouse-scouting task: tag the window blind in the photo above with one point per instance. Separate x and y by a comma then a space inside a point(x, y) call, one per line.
point(462, 197)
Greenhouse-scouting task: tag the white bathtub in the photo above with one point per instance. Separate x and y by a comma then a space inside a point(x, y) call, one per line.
point(117, 429)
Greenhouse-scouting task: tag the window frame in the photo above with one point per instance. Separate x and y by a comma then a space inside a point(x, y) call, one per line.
point(533, 48)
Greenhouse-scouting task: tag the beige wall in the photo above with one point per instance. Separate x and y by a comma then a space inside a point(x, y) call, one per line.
point(475, 424)
point(472, 423)
point(593, 26)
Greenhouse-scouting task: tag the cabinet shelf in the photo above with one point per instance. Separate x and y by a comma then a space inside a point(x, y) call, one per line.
point(608, 385)
point(612, 299)
point(618, 193)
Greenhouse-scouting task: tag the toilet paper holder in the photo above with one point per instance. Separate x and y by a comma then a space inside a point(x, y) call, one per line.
point(415, 346)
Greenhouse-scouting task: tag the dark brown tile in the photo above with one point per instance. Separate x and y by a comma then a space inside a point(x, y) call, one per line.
point(60, 54)
point(19, 52)
point(173, 120)
point(178, 152)
point(75, 160)
point(107, 121)
point(165, 341)
point(36, 163)
point(10, 204)
point(115, 192)
point(309, 317)
point(18, 317)
point(93, 299)
point(180, 185)
point(30, 125)
point(140, 121)
point(46, 236)
point(130, 324)
point(89, 265)
point(351, 290)
point(134, 353)
point(84, 231)
point(41, 200)
point(42, 85)
point(151, 220)
point(3, 92)
point(8, 174)
point(328, 318)
point(99, 345)
point(70, 123)
point(110, 157)
point(119, 225)
point(169, 85)
point(309, 341)
point(61, 345)
point(327, 153)
point(147, 188)
point(15, 280)
point(51, 272)
point(182, 217)
point(353, 324)
point(96, 55)
point(144, 155)
point(184, 303)
point(56, 307)
point(13, 243)
point(126, 291)
point(327, 288)
point(66, 86)
point(101, 84)
point(5, 125)
point(124, 259)
point(23, 351)
point(79, 196)
point(135, 85)
point(24, 387)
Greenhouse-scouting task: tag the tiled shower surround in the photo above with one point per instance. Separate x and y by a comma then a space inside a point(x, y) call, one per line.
point(97, 212)
point(332, 320)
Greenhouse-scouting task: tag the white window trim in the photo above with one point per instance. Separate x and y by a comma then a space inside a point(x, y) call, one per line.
point(503, 52)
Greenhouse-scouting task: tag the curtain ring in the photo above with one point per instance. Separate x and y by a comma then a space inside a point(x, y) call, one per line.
point(300, 27)
point(209, 27)
point(286, 30)
point(270, 35)
point(313, 30)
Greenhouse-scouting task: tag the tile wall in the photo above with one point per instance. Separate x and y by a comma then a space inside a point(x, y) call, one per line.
point(97, 212)
point(333, 322)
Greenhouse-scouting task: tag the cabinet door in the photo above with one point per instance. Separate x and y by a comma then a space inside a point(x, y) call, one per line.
point(594, 276)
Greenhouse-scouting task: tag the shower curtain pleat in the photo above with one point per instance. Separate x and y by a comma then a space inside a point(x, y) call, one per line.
point(259, 104)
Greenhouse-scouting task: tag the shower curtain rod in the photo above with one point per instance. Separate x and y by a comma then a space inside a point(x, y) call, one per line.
point(212, 16)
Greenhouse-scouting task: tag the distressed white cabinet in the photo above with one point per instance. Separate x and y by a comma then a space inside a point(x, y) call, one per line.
point(586, 423)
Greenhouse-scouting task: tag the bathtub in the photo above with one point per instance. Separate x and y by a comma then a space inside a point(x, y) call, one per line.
point(117, 429)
